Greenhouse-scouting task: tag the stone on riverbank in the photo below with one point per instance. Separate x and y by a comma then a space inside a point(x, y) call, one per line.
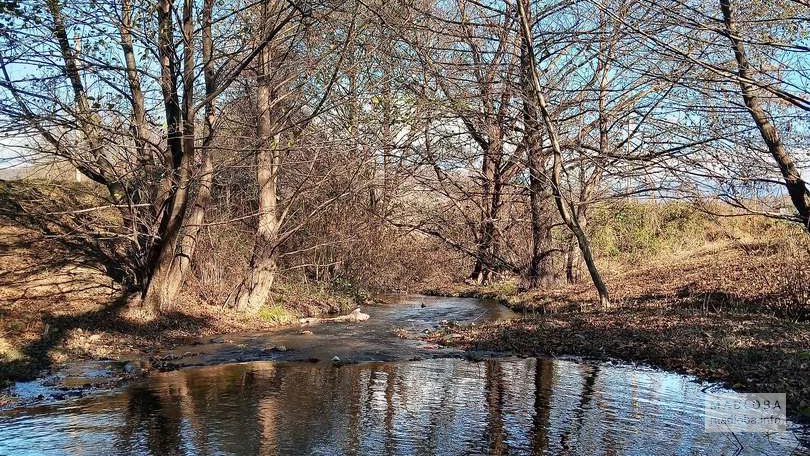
point(355, 316)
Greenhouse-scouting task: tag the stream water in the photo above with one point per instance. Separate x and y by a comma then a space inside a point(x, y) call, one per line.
point(401, 397)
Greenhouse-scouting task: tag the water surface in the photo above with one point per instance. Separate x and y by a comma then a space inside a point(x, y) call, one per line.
point(431, 406)
point(378, 339)
point(438, 406)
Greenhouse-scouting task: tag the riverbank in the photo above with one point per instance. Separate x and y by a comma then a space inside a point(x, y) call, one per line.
point(56, 306)
point(61, 293)
point(37, 341)
point(725, 312)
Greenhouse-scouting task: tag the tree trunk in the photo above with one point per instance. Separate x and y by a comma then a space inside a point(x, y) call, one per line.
point(255, 289)
point(138, 127)
point(571, 261)
point(540, 272)
point(490, 202)
point(541, 266)
point(141, 223)
point(387, 135)
point(97, 166)
point(194, 220)
point(163, 280)
point(796, 187)
point(556, 176)
point(480, 272)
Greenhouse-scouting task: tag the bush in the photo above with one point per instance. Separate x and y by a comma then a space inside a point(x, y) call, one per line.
point(637, 229)
point(276, 314)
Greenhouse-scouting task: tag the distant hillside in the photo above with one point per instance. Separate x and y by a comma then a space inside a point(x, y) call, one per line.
point(56, 171)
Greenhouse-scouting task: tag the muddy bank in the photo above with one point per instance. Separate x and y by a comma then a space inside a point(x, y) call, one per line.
point(748, 352)
point(389, 330)
point(52, 317)
point(107, 334)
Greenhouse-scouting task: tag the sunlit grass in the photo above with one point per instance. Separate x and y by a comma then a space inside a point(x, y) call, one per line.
point(276, 314)
point(9, 353)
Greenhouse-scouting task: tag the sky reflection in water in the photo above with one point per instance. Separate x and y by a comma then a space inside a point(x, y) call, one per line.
point(441, 406)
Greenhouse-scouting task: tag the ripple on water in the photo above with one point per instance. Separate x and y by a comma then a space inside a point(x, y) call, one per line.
point(439, 406)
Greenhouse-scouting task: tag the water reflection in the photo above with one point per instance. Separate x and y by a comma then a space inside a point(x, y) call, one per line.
point(445, 406)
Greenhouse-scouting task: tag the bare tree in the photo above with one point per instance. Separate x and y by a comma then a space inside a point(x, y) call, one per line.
point(283, 113)
point(556, 176)
point(796, 187)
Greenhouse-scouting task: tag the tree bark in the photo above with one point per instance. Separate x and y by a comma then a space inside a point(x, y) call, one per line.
point(191, 227)
point(540, 271)
point(144, 190)
point(571, 261)
point(489, 202)
point(556, 176)
point(255, 289)
point(163, 282)
point(387, 134)
point(796, 187)
point(133, 79)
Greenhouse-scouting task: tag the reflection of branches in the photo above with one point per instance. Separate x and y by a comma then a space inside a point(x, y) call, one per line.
point(585, 398)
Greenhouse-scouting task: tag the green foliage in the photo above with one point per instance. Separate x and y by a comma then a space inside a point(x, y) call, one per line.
point(276, 314)
point(637, 229)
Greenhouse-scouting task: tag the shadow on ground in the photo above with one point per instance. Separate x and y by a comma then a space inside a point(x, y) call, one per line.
point(65, 269)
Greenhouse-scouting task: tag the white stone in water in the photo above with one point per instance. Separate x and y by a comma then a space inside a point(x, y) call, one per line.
point(336, 359)
point(355, 316)
point(359, 316)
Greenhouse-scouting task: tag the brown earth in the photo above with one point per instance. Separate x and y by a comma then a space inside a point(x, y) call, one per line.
point(58, 304)
point(730, 312)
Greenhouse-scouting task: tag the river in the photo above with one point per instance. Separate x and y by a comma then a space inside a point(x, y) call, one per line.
point(386, 396)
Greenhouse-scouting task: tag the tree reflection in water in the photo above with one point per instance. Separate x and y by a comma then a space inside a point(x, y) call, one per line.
point(443, 406)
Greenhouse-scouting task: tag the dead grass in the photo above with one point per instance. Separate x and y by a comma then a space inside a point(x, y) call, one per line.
point(56, 306)
point(761, 277)
point(736, 312)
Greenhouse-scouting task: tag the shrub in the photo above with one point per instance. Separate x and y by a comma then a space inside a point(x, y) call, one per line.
point(276, 314)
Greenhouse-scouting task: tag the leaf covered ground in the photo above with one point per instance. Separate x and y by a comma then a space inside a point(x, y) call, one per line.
point(737, 314)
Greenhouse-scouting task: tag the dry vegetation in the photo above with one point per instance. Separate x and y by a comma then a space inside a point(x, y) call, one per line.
point(720, 297)
point(60, 300)
point(250, 162)
point(724, 299)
